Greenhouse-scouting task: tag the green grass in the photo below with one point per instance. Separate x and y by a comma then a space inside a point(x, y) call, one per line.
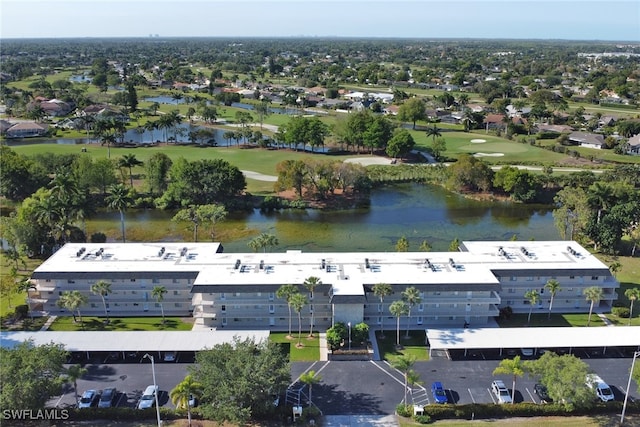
point(576, 421)
point(309, 353)
point(66, 323)
point(414, 345)
point(540, 320)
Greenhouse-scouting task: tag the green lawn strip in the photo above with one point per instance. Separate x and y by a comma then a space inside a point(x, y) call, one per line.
point(66, 323)
point(573, 421)
point(414, 345)
point(557, 320)
point(309, 353)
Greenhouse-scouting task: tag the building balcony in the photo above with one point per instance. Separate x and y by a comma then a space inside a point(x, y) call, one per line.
point(198, 313)
point(202, 300)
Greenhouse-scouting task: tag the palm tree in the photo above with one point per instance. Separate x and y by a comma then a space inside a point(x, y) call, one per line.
point(151, 127)
point(182, 394)
point(633, 294)
point(382, 290)
point(553, 286)
point(298, 301)
point(433, 132)
point(72, 301)
point(119, 199)
point(311, 283)
point(411, 296)
point(74, 373)
point(102, 288)
point(513, 367)
point(534, 297)
point(599, 196)
point(129, 161)
point(310, 378)
point(158, 293)
point(398, 308)
point(285, 292)
point(593, 294)
point(404, 364)
point(615, 267)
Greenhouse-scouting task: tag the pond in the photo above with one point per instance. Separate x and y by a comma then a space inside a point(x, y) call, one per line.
point(415, 211)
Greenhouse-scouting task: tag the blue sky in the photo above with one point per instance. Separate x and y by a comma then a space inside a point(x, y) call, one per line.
point(518, 19)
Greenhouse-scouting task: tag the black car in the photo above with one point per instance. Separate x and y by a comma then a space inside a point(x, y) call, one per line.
point(542, 393)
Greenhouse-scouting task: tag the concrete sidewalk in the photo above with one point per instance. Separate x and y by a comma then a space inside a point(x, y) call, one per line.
point(322, 342)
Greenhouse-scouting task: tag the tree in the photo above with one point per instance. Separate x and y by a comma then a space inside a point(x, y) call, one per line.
point(398, 309)
point(73, 374)
point(239, 378)
point(102, 288)
point(298, 301)
point(412, 110)
point(201, 214)
point(158, 293)
point(404, 364)
point(593, 294)
point(120, 200)
point(286, 292)
point(434, 132)
point(182, 394)
point(615, 267)
point(534, 297)
point(411, 296)
point(382, 290)
point(513, 367)
point(157, 172)
point(632, 295)
point(31, 375)
point(72, 301)
point(263, 241)
point(400, 144)
point(454, 246)
point(129, 161)
point(263, 110)
point(438, 146)
point(311, 283)
point(553, 286)
point(310, 378)
point(402, 245)
point(425, 246)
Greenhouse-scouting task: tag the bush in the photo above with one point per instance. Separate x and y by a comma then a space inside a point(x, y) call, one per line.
point(404, 410)
point(422, 419)
point(360, 333)
point(98, 238)
point(621, 312)
point(22, 311)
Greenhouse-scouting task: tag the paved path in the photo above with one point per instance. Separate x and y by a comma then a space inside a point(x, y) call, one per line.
point(360, 421)
point(48, 323)
point(322, 343)
point(605, 320)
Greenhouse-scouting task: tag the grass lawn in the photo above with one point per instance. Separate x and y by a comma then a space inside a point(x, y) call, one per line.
point(540, 320)
point(309, 353)
point(414, 345)
point(578, 421)
point(66, 323)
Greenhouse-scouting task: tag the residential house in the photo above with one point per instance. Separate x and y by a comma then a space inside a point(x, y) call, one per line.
point(588, 140)
point(27, 130)
point(633, 145)
point(494, 121)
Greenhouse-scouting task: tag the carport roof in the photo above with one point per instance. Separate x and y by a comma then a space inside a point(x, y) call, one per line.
point(131, 340)
point(560, 337)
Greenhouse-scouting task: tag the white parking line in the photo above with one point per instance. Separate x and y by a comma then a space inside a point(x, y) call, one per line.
point(471, 394)
point(530, 395)
point(491, 396)
point(387, 372)
point(307, 370)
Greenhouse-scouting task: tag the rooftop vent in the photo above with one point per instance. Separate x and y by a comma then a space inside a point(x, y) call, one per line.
point(237, 266)
point(501, 251)
point(184, 251)
point(323, 264)
point(572, 251)
point(161, 252)
point(80, 252)
point(366, 263)
point(524, 251)
point(452, 263)
point(261, 264)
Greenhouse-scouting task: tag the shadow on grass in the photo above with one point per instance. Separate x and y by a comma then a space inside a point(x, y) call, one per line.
point(414, 345)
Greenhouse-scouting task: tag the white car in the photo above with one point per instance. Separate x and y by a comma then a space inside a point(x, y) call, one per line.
point(602, 389)
point(500, 390)
point(148, 399)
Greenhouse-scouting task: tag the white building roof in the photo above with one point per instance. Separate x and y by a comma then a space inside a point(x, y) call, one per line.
point(131, 340)
point(560, 337)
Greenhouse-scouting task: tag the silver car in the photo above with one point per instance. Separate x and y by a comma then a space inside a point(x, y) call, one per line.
point(148, 399)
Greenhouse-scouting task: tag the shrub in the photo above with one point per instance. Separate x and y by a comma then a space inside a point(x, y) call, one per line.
point(360, 333)
point(422, 419)
point(621, 312)
point(22, 311)
point(404, 410)
point(98, 238)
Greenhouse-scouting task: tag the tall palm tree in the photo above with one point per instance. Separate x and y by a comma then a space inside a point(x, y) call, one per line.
point(513, 367)
point(310, 378)
point(120, 200)
point(298, 301)
point(433, 132)
point(311, 283)
point(129, 161)
point(184, 392)
point(158, 293)
point(381, 290)
point(404, 364)
point(534, 297)
point(632, 294)
point(600, 196)
point(151, 126)
point(593, 294)
point(102, 288)
point(72, 301)
point(285, 292)
point(411, 296)
point(553, 286)
point(73, 374)
point(398, 308)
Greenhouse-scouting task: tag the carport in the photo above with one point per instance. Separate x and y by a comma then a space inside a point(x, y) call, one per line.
point(131, 341)
point(535, 338)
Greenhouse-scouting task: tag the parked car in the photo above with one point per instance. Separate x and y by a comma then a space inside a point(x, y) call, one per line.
point(193, 402)
point(526, 352)
point(108, 397)
point(438, 392)
point(501, 391)
point(603, 391)
point(542, 393)
point(170, 356)
point(89, 398)
point(148, 399)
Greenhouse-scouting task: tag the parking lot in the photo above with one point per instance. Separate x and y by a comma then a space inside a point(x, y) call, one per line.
point(347, 387)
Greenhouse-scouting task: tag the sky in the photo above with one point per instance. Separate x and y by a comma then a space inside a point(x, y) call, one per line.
point(615, 20)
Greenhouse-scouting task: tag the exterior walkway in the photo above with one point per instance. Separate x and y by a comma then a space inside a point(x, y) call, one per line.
point(374, 344)
point(322, 343)
point(604, 319)
point(48, 323)
point(360, 421)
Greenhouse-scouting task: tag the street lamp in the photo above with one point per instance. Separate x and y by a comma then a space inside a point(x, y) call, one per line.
point(155, 387)
point(626, 395)
point(349, 325)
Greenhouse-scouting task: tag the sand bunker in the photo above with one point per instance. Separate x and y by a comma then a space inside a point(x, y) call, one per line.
point(478, 141)
point(488, 155)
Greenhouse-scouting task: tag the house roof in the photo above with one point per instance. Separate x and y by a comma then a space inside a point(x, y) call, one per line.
point(586, 138)
point(634, 140)
point(494, 118)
